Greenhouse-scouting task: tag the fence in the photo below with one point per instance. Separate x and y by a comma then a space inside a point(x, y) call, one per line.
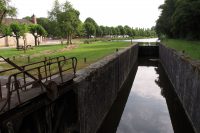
point(19, 80)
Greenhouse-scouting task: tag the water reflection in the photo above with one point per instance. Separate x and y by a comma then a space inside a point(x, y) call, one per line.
point(146, 110)
point(148, 40)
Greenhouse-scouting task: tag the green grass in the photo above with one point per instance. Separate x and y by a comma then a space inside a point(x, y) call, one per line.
point(191, 48)
point(92, 52)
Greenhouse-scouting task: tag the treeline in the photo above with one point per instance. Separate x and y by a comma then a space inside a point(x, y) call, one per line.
point(180, 19)
point(63, 21)
point(90, 29)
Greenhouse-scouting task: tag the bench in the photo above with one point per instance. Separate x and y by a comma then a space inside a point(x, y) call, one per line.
point(21, 47)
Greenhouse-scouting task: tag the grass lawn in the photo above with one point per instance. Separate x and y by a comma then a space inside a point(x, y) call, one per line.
point(191, 48)
point(92, 52)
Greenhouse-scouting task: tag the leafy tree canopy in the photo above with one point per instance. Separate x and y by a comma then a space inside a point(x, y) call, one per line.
point(6, 9)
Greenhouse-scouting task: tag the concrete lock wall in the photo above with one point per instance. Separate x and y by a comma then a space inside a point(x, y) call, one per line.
point(79, 106)
point(98, 85)
point(185, 77)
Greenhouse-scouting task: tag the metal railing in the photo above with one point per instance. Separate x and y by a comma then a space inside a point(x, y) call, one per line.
point(34, 75)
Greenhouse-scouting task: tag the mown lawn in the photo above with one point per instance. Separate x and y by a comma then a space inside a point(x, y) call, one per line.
point(191, 48)
point(92, 52)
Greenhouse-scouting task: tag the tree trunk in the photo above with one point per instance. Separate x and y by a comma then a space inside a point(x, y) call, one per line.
point(67, 39)
point(24, 45)
point(70, 39)
point(17, 39)
point(2, 16)
point(35, 40)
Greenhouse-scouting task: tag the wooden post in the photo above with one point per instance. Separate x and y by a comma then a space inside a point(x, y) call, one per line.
point(45, 67)
point(60, 71)
point(0, 92)
point(24, 76)
point(29, 59)
point(85, 60)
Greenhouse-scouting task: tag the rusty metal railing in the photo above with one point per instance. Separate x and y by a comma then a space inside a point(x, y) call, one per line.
point(32, 76)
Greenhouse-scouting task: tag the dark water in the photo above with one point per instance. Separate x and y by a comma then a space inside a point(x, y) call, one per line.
point(152, 106)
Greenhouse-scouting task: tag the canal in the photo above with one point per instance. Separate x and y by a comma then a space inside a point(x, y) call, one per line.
point(147, 104)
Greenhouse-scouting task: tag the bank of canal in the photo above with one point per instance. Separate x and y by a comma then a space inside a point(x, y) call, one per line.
point(152, 105)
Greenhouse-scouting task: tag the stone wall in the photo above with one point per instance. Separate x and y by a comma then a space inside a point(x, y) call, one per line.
point(149, 51)
point(185, 77)
point(98, 85)
point(11, 41)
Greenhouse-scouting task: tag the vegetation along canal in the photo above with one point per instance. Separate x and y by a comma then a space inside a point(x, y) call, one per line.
point(147, 105)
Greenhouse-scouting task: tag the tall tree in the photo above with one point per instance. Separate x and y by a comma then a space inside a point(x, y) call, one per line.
point(91, 27)
point(164, 23)
point(128, 31)
point(186, 19)
point(66, 19)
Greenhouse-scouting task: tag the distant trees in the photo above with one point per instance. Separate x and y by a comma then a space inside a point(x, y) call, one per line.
point(179, 19)
point(63, 22)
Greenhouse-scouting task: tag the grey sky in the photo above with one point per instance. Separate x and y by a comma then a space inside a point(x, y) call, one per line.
point(135, 13)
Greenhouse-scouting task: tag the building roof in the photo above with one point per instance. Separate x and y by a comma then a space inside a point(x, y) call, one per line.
point(8, 21)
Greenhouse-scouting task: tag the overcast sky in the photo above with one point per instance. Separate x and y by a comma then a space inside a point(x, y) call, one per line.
point(135, 13)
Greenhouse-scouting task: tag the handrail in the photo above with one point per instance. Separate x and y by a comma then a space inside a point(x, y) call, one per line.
point(19, 81)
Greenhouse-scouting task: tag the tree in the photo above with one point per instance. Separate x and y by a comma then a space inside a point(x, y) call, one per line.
point(91, 20)
point(55, 11)
point(113, 31)
point(121, 29)
point(37, 31)
point(117, 31)
point(179, 19)
point(51, 27)
point(5, 31)
point(80, 30)
point(99, 31)
point(185, 20)
point(18, 30)
point(91, 27)
point(128, 31)
point(164, 23)
point(54, 29)
point(69, 21)
point(6, 10)
point(66, 20)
